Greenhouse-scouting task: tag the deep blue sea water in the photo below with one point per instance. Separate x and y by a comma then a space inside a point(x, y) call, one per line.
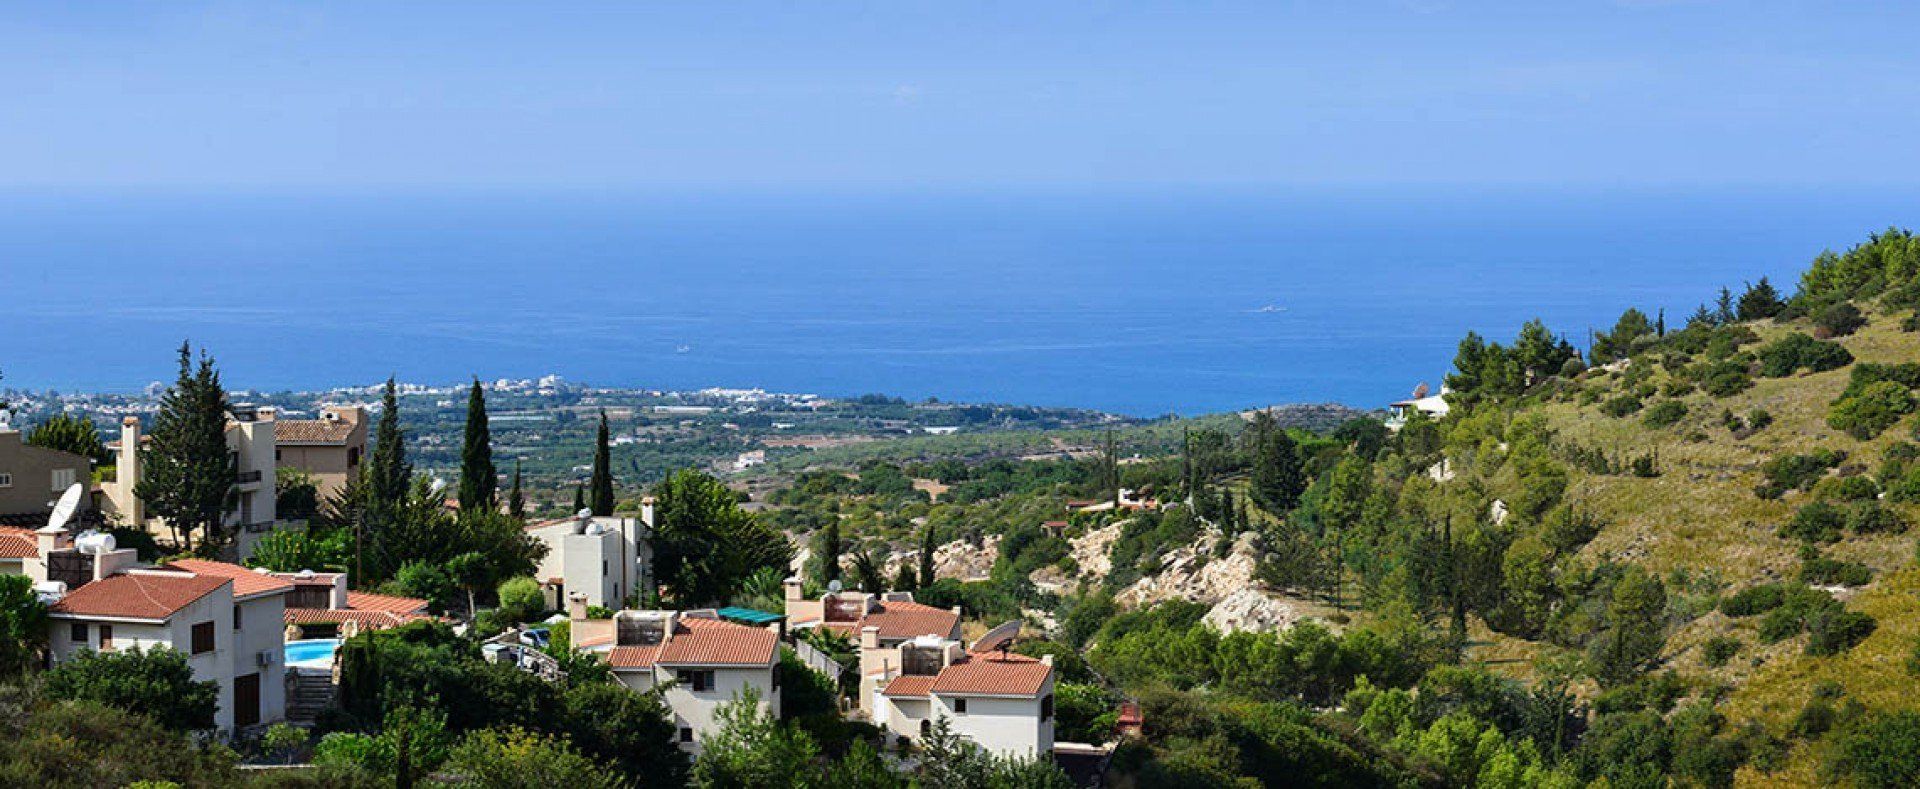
point(1139, 301)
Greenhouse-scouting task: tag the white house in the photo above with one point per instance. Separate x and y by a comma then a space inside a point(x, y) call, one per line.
point(1434, 406)
point(878, 624)
point(702, 660)
point(606, 558)
point(1001, 701)
point(226, 618)
point(251, 445)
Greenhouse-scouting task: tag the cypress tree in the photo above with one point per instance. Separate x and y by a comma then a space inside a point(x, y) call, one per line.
point(517, 501)
point(926, 556)
point(189, 478)
point(830, 550)
point(579, 497)
point(602, 481)
point(479, 482)
point(388, 475)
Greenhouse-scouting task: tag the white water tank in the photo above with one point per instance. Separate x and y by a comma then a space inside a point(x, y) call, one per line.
point(98, 543)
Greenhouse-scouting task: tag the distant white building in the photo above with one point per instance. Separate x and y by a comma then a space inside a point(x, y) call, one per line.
point(604, 558)
point(1434, 406)
point(701, 660)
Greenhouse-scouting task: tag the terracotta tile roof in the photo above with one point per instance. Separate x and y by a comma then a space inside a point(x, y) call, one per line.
point(246, 582)
point(367, 601)
point(149, 595)
point(369, 620)
point(18, 543)
point(979, 675)
point(909, 686)
point(312, 431)
point(903, 620)
point(632, 657)
point(711, 642)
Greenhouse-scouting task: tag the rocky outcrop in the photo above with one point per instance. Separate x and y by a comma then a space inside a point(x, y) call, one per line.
point(1193, 572)
point(958, 559)
point(1252, 610)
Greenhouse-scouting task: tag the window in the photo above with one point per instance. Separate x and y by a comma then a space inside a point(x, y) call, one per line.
point(353, 456)
point(1046, 708)
point(77, 633)
point(202, 638)
point(6, 480)
point(106, 637)
point(686, 734)
point(926, 728)
point(236, 617)
point(960, 706)
point(696, 680)
point(276, 454)
point(62, 478)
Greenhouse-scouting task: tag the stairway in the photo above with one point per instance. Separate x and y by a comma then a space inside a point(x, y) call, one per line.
point(309, 692)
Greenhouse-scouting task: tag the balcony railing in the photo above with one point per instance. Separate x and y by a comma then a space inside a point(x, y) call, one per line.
point(246, 477)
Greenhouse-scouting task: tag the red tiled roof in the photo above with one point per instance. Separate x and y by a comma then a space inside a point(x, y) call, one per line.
point(979, 675)
point(711, 642)
point(632, 657)
point(312, 431)
point(370, 620)
point(18, 543)
point(903, 620)
point(246, 583)
point(367, 601)
point(909, 686)
point(149, 595)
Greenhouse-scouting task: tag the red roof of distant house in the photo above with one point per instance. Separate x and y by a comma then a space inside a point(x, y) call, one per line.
point(712, 642)
point(246, 583)
point(393, 604)
point(909, 686)
point(18, 543)
point(900, 620)
point(312, 431)
point(368, 620)
point(145, 595)
point(997, 675)
point(698, 641)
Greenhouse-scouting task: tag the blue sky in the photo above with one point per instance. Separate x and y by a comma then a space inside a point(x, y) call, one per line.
point(648, 93)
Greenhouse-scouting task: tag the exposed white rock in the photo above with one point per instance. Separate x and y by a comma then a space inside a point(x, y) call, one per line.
point(1252, 610)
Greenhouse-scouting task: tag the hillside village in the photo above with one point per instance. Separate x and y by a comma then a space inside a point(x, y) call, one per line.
point(1675, 553)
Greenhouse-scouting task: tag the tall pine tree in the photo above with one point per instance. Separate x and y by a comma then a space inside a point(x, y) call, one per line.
point(188, 477)
point(388, 474)
point(516, 500)
point(479, 482)
point(926, 556)
point(602, 481)
point(1277, 477)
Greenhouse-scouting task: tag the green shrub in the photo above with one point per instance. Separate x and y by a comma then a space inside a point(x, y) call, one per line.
point(1794, 352)
point(1720, 649)
point(1759, 419)
point(1665, 414)
point(1796, 472)
point(1854, 488)
point(1870, 411)
point(1621, 406)
point(1834, 630)
point(1816, 522)
point(156, 683)
point(1878, 752)
point(1868, 517)
point(1820, 570)
point(1754, 600)
point(1839, 320)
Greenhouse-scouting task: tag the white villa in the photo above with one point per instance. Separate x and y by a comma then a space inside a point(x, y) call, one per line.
point(878, 624)
point(1434, 406)
point(1001, 701)
point(605, 558)
point(225, 618)
point(702, 660)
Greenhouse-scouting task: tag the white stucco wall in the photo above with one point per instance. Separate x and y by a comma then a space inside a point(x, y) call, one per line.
point(695, 709)
point(1006, 726)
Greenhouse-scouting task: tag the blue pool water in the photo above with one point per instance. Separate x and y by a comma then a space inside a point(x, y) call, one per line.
point(312, 652)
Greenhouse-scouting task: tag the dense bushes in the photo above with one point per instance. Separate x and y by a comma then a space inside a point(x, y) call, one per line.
point(1665, 414)
point(1795, 352)
point(156, 683)
point(1864, 414)
point(1796, 472)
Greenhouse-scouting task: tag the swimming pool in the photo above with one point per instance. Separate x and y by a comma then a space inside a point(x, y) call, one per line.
point(315, 652)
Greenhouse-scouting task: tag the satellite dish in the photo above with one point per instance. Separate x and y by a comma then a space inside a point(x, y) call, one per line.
point(834, 586)
point(63, 509)
point(998, 638)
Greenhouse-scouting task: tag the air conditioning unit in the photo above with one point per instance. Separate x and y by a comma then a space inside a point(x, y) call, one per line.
point(263, 658)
